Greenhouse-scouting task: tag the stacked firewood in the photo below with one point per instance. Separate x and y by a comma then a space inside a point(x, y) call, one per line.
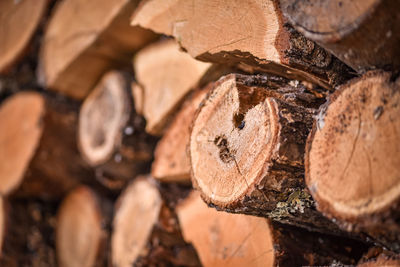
point(199, 133)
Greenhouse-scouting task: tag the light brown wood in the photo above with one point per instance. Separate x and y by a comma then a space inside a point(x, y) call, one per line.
point(166, 76)
point(352, 160)
point(137, 94)
point(20, 115)
point(39, 140)
point(224, 239)
point(250, 33)
point(18, 23)
point(103, 116)
point(111, 135)
point(247, 147)
point(2, 224)
point(171, 159)
point(79, 232)
point(363, 33)
point(137, 211)
point(84, 39)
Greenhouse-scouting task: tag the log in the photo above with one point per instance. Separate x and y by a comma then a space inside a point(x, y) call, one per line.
point(28, 233)
point(171, 160)
point(224, 239)
point(363, 34)
point(137, 94)
point(18, 23)
point(145, 232)
point(251, 33)
point(111, 135)
point(352, 158)
point(79, 232)
point(376, 257)
point(83, 40)
point(38, 151)
point(159, 68)
point(2, 224)
point(247, 147)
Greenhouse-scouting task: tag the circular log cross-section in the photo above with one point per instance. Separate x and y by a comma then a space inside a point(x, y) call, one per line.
point(38, 149)
point(362, 33)
point(18, 23)
point(20, 116)
point(111, 136)
point(136, 213)
point(79, 231)
point(247, 147)
point(224, 239)
point(102, 118)
point(352, 160)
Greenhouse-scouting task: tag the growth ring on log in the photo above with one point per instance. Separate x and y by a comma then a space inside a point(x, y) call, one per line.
point(231, 138)
point(324, 19)
point(20, 121)
point(352, 161)
point(103, 115)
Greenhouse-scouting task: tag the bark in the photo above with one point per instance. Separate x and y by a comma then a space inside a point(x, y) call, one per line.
point(111, 135)
point(251, 33)
point(171, 160)
point(29, 233)
point(83, 40)
point(247, 147)
point(352, 162)
point(376, 256)
point(166, 76)
point(223, 239)
point(363, 34)
point(80, 236)
point(18, 24)
point(145, 219)
point(39, 155)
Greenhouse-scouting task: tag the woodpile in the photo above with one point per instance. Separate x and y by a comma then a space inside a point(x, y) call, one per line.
point(199, 133)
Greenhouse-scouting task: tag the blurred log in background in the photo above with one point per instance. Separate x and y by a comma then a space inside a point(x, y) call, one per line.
point(199, 133)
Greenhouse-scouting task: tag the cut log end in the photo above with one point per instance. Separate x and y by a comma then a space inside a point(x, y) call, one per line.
point(18, 23)
point(233, 135)
point(2, 223)
point(328, 20)
point(172, 162)
point(225, 239)
point(79, 231)
point(137, 211)
point(137, 93)
point(102, 117)
point(166, 75)
point(83, 40)
point(20, 117)
point(352, 162)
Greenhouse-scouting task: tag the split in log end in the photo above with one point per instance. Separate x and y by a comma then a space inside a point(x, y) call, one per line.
point(352, 162)
point(233, 135)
